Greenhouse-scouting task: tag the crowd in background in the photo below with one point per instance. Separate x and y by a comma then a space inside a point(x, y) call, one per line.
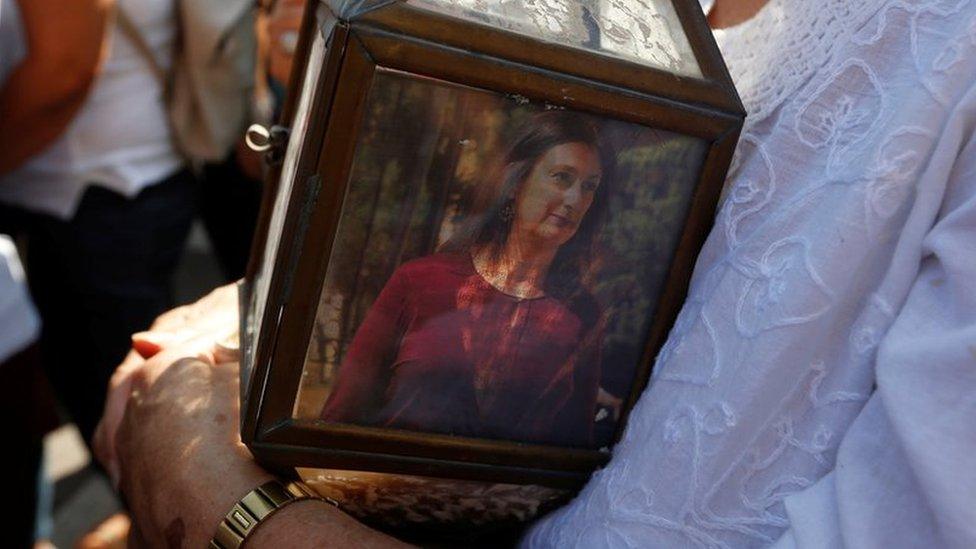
point(121, 123)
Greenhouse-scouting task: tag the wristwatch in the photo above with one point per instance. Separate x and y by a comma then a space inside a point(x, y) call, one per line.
point(257, 506)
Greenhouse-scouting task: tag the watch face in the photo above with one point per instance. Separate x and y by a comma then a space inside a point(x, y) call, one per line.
point(257, 505)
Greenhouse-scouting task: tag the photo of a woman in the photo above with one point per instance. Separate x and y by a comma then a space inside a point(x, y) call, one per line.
point(497, 334)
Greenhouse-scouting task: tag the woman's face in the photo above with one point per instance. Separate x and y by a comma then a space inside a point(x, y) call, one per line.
point(557, 193)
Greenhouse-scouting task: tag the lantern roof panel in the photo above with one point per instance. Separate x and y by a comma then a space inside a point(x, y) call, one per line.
point(347, 9)
point(647, 32)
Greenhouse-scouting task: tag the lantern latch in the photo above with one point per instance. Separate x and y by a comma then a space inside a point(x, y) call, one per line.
point(271, 141)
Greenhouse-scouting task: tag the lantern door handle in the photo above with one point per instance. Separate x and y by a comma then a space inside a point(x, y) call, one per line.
point(271, 141)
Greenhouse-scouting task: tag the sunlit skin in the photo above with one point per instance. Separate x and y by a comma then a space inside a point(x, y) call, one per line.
point(549, 206)
point(728, 13)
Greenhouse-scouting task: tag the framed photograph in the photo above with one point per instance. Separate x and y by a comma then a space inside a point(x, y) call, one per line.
point(495, 267)
point(470, 262)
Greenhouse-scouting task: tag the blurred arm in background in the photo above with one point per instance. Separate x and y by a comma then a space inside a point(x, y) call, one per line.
point(66, 44)
point(283, 24)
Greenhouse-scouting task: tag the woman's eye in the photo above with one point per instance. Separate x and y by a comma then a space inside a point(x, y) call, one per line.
point(590, 185)
point(563, 178)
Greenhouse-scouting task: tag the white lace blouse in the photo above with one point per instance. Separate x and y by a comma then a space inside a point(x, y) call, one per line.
point(819, 386)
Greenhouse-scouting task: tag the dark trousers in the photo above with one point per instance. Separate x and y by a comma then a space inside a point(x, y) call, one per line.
point(100, 277)
point(23, 465)
point(26, 402)
point(228, 203)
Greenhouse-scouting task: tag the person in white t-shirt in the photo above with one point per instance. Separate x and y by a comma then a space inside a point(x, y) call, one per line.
point(819, 386)
point(106, 205)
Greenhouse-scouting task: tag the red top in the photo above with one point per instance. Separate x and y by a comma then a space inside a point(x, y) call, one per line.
point(443, 351)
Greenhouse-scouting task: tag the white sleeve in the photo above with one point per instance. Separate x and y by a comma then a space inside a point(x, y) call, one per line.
point(905, 474)
point(19, 324)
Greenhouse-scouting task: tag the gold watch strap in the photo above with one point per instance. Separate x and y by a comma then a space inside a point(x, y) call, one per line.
point(255, 507)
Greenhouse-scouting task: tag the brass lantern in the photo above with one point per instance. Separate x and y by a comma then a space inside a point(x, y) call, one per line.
point(481, 233)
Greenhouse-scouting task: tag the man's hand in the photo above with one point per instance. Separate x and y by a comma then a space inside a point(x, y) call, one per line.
point(119, 388)
point(200, 330)
point(180, 458)
point(183, 465)
point(171, 435)
point(214, 316)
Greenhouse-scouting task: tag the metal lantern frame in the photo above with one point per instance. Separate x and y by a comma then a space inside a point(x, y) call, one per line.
point(329, 92)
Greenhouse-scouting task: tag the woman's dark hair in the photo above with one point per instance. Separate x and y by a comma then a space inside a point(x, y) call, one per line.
point(487, 227)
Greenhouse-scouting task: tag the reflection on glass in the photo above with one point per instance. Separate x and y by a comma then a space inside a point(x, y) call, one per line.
point(351, 8)
point(262, 277)
point(405, 500)
point(495, 266)
point(643, 31)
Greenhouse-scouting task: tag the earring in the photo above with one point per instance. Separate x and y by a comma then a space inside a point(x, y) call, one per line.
point(508, 212)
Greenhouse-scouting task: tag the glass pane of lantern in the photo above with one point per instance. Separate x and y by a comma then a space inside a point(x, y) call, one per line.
point(643, 31)
point(262, 279)
point(411, 334)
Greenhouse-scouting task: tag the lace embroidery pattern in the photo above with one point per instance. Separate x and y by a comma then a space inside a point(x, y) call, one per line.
point(781, 48)
point(841, 112)
point(766, 301)
point(772, 356)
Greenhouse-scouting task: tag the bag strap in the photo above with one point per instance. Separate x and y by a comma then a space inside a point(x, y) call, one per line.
point(164, 77)
point(138, 40)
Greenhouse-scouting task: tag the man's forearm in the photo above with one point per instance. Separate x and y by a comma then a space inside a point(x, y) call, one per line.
point(185, 511)
point(316, 524)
